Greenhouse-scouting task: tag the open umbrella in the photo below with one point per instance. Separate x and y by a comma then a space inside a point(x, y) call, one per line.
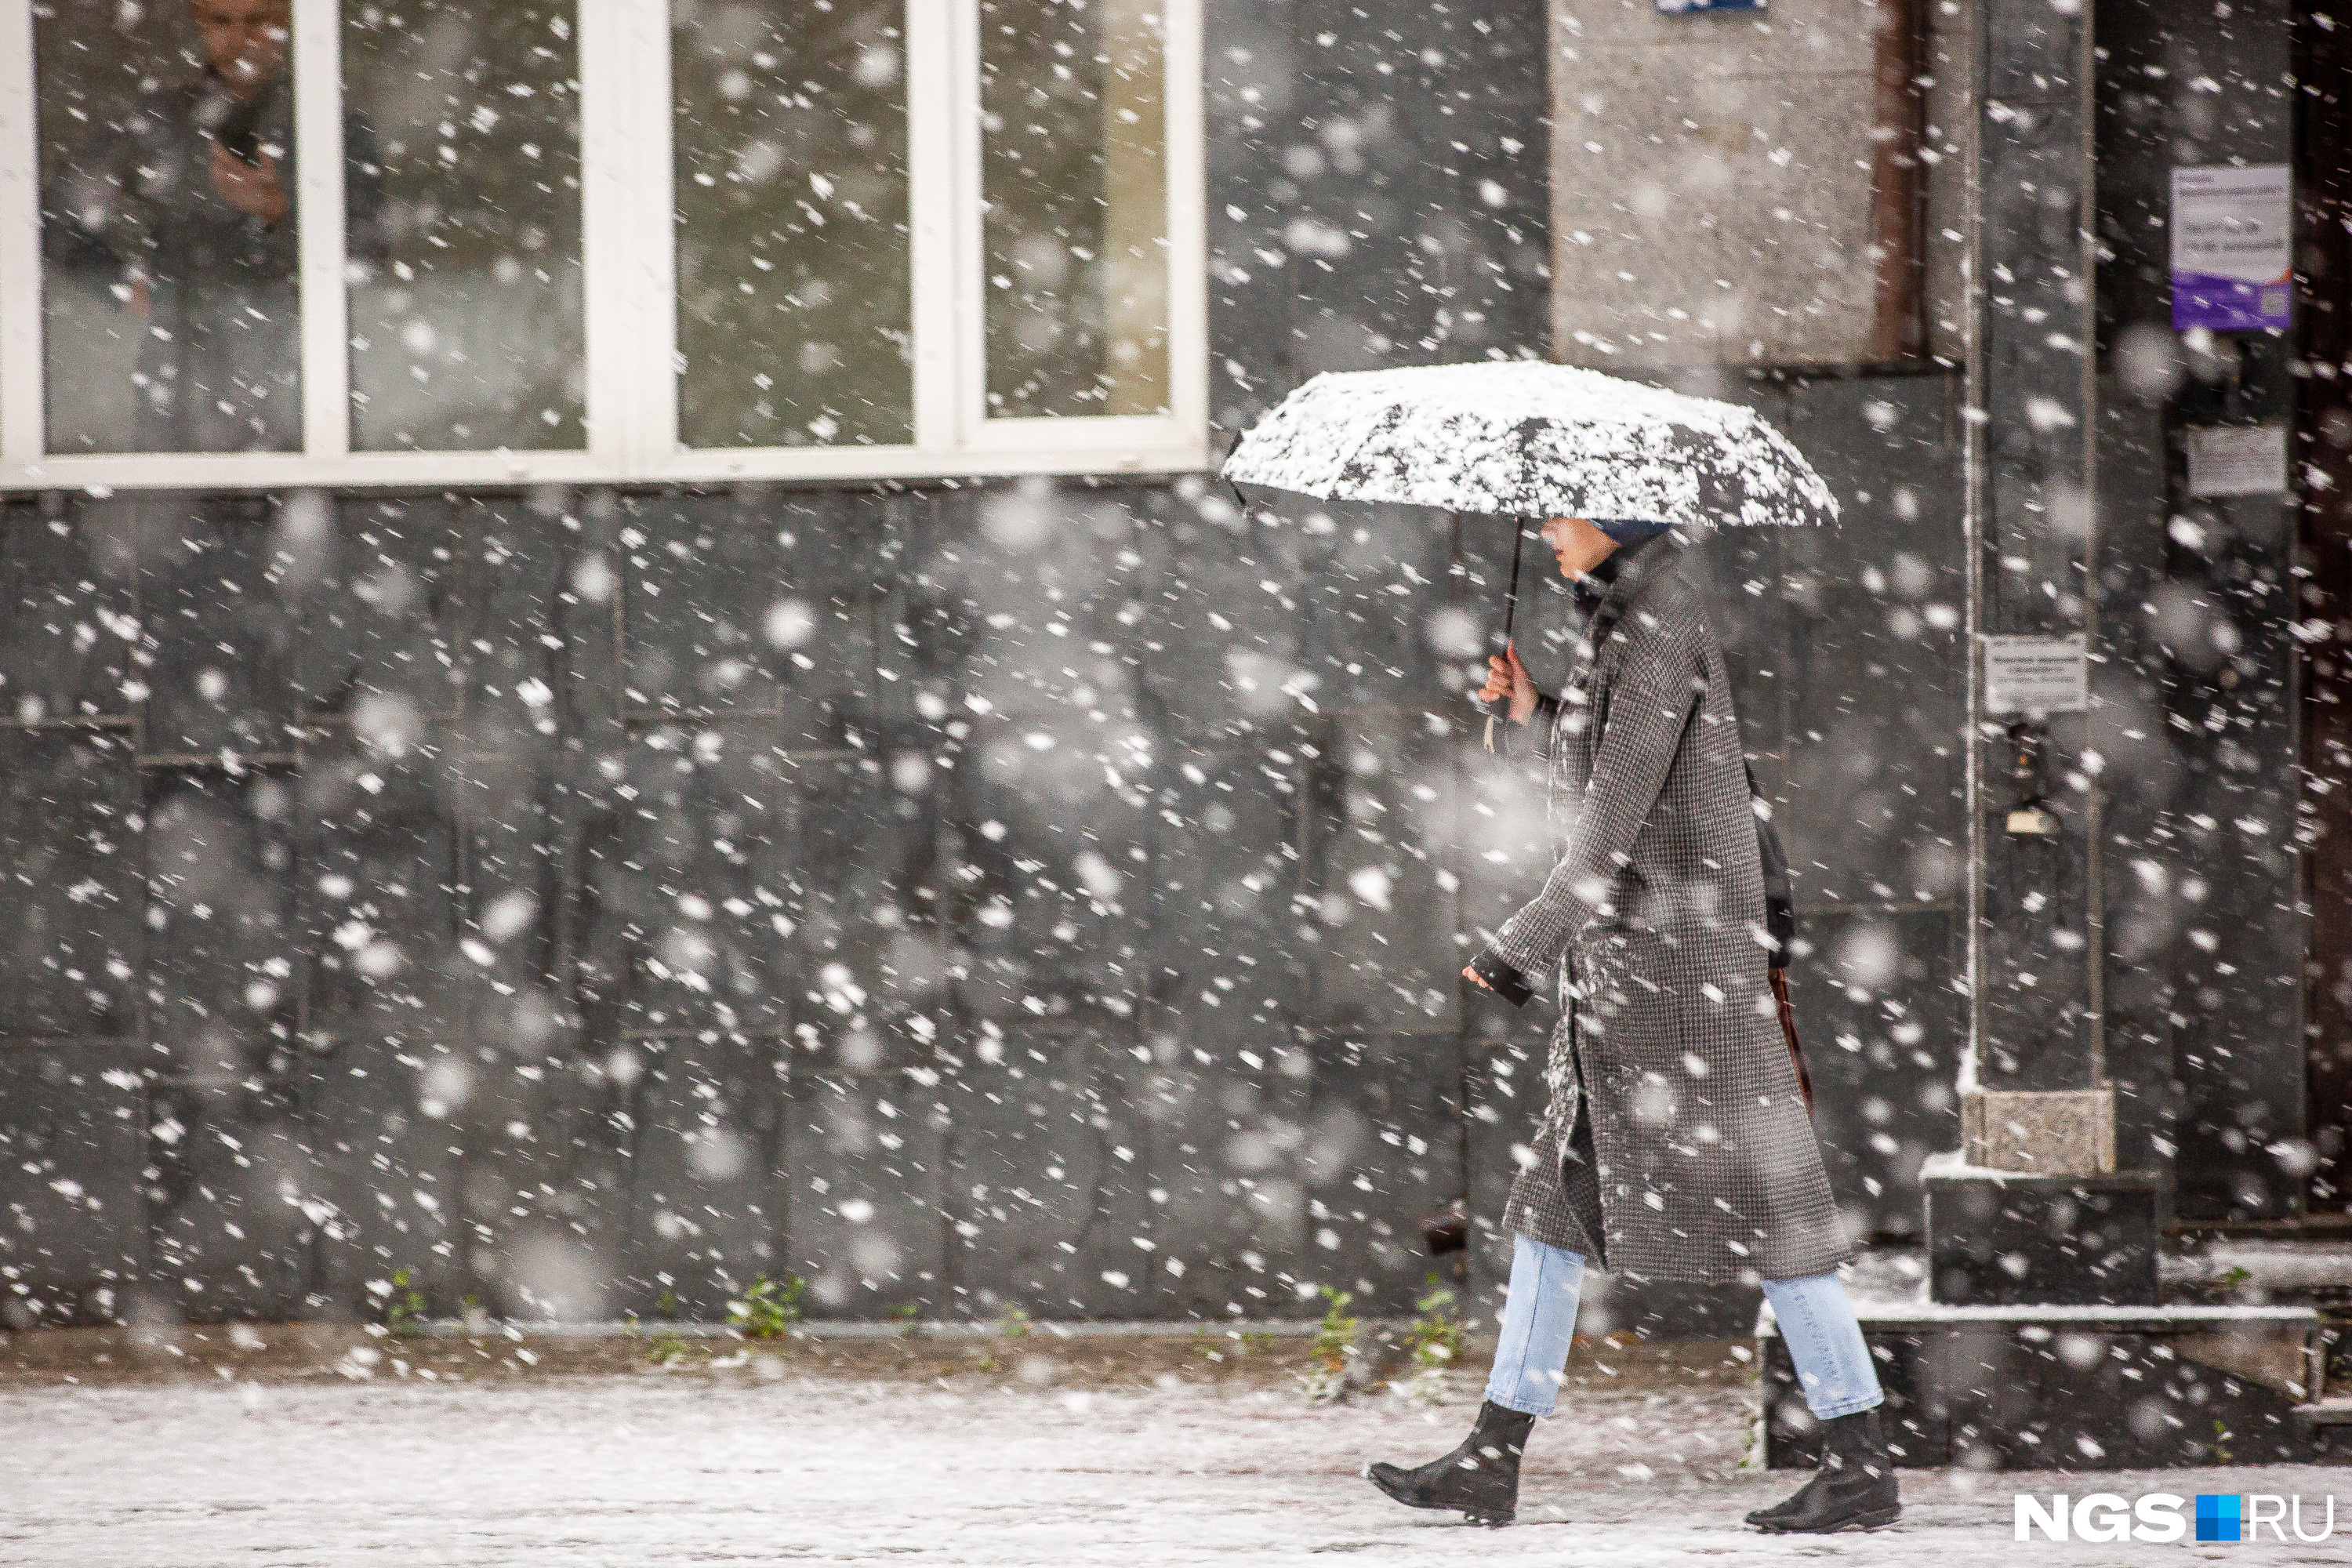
point(1514, 438)
point(1517, 439)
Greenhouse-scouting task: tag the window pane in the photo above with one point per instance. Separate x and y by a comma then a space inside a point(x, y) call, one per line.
point(1074, 131)
point(793, 293)
point(168, 296)
point(461, 198)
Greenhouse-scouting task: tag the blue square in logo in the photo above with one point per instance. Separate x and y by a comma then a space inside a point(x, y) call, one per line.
point(2217, 1517)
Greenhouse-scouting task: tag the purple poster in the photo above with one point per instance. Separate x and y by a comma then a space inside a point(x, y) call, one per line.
point(2233, 249)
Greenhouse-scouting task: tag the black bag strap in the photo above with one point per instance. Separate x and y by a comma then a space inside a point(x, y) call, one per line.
point(1780, 902)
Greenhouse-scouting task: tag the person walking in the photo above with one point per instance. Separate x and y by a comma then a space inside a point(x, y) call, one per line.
point(1676, 1144)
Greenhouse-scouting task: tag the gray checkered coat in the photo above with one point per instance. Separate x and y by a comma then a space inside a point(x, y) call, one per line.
point(1694, 1158)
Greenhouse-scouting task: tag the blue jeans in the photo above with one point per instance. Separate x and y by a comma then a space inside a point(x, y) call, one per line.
point(1833, 1365)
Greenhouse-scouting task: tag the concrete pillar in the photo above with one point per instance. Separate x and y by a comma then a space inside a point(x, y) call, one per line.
point(2035, 1012)
point(2034, 1182)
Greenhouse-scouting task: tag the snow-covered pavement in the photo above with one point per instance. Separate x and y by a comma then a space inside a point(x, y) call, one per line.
point(770, 1465)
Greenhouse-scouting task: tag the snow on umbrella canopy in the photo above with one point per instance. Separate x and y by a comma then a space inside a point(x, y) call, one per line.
point(1518, 438)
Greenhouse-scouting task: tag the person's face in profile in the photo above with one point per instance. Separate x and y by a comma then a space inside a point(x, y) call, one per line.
point(244, 40)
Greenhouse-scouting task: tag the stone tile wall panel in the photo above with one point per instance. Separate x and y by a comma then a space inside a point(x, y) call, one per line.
point(1227, 1139)
point(226, 1172)
point(72, 1219)
point(1382, 1153)
point(69, 633)
point(70, 815)
point(1226, 960)
point(378, 589)
point(213, 613)
point(378, 889)
point(862, 1188)
point(1869, 647)
point(224, 929)
point(1371, 581)
point(701, 1227)
point(538, 878)
point(1224, 653)
point(863, 886)
point(1047, 1178)
point(1882, 1030)
point(382, 1182)
point(676, 932)
point(547, 1184)
point(1384, 894)
point(702, 578)
point(1053, 887)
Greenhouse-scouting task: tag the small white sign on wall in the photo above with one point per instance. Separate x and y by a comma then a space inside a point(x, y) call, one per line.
point(2236, 460)
point(2037, 674)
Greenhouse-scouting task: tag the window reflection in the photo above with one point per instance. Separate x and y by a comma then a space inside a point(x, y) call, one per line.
point(794, 288)
point(463, 224)
point(169, 304)
point(1073, 101)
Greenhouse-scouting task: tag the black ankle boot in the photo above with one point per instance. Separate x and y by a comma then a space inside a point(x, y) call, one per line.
point(1854, 1490)
point(1481, 1478)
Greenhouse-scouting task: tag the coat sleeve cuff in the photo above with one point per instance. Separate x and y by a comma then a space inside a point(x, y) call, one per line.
point(1533, 739)
point(1503, 979)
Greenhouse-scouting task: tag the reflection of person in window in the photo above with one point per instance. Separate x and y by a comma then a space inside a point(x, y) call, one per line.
point(195, 207)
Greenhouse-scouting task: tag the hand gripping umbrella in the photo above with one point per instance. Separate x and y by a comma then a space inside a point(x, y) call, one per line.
point(1518, 439)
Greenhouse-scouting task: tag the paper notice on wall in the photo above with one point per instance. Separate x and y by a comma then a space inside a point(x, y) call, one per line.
point(2233, 249)
point(2236, 460)
point(2037, 674)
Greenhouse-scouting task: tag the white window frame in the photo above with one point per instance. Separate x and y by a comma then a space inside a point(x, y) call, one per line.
point(629, 279)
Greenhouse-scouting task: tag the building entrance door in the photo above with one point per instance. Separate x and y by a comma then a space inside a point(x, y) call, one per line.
point(2321, 451)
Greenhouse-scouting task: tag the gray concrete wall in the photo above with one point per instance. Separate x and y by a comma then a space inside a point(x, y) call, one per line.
point(1716, 177)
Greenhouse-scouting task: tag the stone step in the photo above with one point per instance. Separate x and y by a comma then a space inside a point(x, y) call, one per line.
point(2020, 1386)
point(2275, 1267)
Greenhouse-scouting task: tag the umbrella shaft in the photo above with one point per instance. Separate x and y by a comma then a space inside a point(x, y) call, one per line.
point(1511, 598)
point(1502, 706)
